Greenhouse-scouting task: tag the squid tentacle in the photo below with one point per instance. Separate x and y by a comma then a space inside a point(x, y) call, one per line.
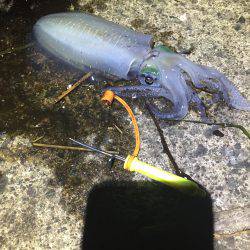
point(200, 106)
point(180, 105)
point(230, 93)
point(190, 72)
point(214, 81)
point(178, 112)
point(138, 91)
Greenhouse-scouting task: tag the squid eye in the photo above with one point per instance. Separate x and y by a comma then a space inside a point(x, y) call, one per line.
point(149, 80)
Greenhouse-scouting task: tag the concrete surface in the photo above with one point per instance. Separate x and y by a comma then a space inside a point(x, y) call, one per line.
point(36, 199)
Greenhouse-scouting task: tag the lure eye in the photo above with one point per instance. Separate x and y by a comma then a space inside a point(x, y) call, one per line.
point(149, 80)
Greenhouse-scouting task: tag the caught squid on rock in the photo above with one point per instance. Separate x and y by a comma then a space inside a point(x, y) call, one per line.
point(84, 40)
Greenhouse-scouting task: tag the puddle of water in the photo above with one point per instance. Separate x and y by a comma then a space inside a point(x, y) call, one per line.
point(29, 80)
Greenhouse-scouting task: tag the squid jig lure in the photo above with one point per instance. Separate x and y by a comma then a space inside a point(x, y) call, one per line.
point(83, 40)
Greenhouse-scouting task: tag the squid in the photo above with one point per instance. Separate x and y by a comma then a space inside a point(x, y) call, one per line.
point(87, 41)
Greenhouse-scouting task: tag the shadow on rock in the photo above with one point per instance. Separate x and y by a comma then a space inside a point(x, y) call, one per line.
point(143, 215)
point(21, 86)
point(35, 8)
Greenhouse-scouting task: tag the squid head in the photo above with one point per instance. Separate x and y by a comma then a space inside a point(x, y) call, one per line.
point(165, 74)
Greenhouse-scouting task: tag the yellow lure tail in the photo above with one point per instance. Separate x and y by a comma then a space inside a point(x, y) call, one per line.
point(133, 164)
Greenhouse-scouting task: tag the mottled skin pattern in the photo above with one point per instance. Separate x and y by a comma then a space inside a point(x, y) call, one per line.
point(85, 40)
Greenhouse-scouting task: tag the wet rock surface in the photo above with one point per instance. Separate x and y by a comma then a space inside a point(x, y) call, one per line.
point(43, 192)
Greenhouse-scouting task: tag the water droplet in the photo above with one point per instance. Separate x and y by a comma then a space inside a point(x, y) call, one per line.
point(134, 96)
point(183, 17)
point(69, 86)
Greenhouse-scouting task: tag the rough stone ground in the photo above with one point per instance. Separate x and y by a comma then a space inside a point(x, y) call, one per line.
point(32, 181)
